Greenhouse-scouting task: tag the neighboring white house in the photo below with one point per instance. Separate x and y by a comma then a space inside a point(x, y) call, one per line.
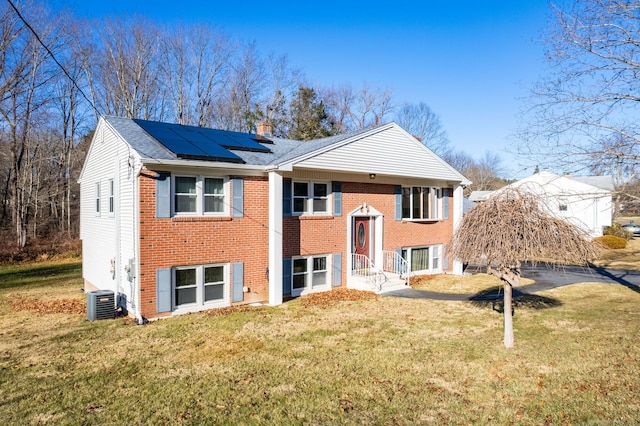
point(584, 201)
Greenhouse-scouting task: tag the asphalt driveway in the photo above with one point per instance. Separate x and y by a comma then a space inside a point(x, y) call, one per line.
point(546, 277)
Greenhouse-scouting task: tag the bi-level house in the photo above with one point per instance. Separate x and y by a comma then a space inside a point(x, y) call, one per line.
point(178, 219)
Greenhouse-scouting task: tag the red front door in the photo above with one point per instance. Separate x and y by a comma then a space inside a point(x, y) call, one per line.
point(361, 236)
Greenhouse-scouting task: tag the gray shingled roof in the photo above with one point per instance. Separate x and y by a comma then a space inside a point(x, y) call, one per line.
point(282, 150)
point(479, 195)
point(602, 182)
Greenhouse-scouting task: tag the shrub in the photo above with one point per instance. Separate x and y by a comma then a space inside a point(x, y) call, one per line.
point(612, 242)
point(617, 231)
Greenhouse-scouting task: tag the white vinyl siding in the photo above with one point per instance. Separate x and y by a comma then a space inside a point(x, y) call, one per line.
point(390, 151)
point(107, 241)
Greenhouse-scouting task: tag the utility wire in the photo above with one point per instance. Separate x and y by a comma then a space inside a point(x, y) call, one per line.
point(75, 83)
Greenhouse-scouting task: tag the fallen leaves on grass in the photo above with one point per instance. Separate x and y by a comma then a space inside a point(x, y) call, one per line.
point(58, 306)
point(421, 279)
point(231, 310)
point(331, 298)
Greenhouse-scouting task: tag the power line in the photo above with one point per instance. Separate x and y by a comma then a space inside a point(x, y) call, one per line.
point(75, 83)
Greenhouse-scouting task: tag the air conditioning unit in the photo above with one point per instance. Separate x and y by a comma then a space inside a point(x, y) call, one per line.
point(100, 305)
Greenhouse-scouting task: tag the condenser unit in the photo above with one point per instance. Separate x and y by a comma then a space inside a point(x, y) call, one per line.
point(100, 305)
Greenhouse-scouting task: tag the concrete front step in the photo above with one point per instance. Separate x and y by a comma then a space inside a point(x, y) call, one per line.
point(393, 283)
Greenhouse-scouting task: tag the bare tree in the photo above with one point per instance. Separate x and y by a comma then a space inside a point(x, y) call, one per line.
point(585, 110)
point(512, 227)
point(421, 121)
point(238, 106)
point(25, 80)
point(283, 83)
point(459, 160)
point(484, 173)
point(195, 64)
point(129, 69)
point(351, 109)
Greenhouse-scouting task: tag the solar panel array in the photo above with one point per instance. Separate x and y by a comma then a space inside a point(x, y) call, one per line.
point(199, 143)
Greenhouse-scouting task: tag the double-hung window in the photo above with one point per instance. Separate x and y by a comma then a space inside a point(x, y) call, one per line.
point(423, 259)
point(199, 195)
point(310, 198)
point(421, 203)
point(195, 286)
point(97, 198)
point(112, 194)
point(310, 273)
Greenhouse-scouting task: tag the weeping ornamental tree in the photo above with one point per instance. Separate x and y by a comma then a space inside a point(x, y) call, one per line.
point(513, 227)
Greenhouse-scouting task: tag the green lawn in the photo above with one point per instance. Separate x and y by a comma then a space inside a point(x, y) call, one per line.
point(381, 361)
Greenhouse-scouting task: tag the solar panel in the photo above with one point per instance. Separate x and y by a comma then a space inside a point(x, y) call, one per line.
point(236, 140)
point(187, 142)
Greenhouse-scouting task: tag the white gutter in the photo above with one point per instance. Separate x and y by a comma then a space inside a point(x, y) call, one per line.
point(201, 163)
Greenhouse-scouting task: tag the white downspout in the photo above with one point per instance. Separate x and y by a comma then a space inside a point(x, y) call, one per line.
point(135, 287)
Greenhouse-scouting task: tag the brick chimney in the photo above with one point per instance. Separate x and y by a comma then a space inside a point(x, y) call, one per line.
point(265, 129)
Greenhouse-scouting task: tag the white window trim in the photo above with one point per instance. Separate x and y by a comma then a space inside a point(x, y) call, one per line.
point(309, 288)
point(438, 204)
point(200, 304)
point(432, 248)
point(309, 199)
point(98, 199)
point(112, 197)
point(226, 212)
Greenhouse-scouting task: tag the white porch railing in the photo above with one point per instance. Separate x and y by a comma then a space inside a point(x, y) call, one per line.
point(394, 263)
point(362, 266)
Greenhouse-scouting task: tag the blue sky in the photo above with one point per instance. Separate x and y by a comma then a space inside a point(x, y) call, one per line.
point(471, 61)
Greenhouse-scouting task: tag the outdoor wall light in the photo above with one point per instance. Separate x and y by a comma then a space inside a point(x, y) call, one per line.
point(372, 175)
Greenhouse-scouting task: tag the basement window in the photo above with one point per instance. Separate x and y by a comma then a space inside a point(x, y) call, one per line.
point(310, 273)
point(201, 285)
point(423, 259)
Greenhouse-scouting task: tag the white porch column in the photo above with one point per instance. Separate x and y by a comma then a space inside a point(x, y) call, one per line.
point(457, 219)
point(275, 238)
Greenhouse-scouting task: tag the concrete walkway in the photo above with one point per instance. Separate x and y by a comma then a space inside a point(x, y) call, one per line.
point(545, 278)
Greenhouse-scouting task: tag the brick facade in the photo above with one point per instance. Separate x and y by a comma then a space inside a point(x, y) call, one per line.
point(181, 241)
point(327, 234)
point(184, 241)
